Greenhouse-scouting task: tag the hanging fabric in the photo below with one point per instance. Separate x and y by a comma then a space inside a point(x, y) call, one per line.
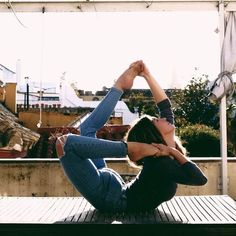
point(223, 85)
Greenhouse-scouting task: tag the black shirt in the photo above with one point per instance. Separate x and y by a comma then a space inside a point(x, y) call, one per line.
point(158, 179)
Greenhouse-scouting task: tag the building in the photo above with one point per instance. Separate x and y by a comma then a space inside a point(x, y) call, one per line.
point(66, 96)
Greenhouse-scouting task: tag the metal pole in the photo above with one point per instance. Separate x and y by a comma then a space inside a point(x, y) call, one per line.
point(223, 115)
point(27, 96)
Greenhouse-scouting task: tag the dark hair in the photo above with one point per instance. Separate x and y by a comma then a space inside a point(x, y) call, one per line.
point(144, 131)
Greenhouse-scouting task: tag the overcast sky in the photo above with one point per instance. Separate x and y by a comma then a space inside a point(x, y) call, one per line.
point(94, 48)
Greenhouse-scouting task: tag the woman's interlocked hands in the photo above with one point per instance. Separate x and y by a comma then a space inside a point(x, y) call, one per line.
point(162, 150)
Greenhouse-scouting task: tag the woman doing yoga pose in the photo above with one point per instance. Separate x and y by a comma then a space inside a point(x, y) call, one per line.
point(151, 142)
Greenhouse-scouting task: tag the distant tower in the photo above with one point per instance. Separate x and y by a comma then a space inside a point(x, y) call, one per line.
point(174, 83)
point(18, 73)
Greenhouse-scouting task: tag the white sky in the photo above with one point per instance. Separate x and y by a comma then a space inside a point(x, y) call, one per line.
point(95, 48)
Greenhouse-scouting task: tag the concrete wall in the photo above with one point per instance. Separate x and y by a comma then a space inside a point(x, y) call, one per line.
point(10, 98)
point(43, 177)
point(49, 119)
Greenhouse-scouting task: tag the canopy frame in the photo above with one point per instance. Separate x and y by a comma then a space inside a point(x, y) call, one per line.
point(140, 6)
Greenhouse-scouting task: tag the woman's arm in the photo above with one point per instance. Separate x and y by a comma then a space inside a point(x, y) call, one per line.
point(186, 172)
point(157, 91)
point(159, 95)
point(164, 150)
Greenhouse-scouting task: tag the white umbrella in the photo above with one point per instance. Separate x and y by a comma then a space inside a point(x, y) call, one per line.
point(223, 86)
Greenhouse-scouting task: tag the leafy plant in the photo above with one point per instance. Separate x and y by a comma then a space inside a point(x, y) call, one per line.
point(202, 141)
point(192, 106)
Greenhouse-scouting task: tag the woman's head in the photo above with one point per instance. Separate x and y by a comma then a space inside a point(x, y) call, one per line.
point(149, 129)
point(144, 131)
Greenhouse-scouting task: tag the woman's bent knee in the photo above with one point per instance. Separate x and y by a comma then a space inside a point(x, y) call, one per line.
point(60, 143)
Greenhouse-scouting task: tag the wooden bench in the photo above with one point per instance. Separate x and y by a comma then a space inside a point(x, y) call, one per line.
point(212, 214)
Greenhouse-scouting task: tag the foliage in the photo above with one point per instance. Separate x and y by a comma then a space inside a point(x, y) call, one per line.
point(191, 105)
point(202, 141)
point(231, 127)
point(145, 105)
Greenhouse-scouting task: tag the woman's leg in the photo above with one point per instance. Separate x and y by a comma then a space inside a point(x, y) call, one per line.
point(99, 117)
point(76, 152)
point(102, 188)
point(102, 112)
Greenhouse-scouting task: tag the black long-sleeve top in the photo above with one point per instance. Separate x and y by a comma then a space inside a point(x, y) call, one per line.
point(158, 179)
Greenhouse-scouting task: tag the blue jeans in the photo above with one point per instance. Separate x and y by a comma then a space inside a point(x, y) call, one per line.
point(83, 161)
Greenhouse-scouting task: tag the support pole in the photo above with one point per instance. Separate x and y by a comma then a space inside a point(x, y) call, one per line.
point(223, 115)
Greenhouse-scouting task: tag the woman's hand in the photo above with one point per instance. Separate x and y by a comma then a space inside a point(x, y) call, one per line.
point(162, 150)
point(145, 72)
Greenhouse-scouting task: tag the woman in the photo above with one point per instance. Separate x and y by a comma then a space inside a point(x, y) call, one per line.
point(82, 156)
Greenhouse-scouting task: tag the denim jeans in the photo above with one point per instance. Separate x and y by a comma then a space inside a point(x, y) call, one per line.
point(83, 159)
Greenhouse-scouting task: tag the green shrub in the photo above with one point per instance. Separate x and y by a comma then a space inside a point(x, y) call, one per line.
point(202, 141)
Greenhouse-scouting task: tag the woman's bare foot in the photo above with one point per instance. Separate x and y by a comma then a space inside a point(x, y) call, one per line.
point(137, 151)
point(125, 81)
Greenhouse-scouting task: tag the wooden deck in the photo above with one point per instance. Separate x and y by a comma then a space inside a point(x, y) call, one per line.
point(216, 214)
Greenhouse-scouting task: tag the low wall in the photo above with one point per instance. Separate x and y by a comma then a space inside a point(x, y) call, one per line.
point(45, 177)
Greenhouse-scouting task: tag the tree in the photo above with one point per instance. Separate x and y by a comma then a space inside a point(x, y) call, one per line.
point(144, 104)
point(202, 141)
point(231, 121)
point(191, 105)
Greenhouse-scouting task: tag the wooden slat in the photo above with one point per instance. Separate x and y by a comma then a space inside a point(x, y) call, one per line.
point(179, 211)
point(84, 212)
point(183, 208)
point(167, 212)
point(74, 210)
point(45, 207)
point(206, 210)
point(173, 211)
point(191, 211)
point(228, 203)
point(212, 210)
point(162, 213)
point(77, 210)
point(224, 209)
point(80, 210)
point(50, 215)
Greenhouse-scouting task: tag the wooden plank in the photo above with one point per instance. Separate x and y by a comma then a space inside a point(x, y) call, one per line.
point(90, 214)
point(162, 213)
point(206, 211)
point(7, 204)
point(225, 207)
point(201, 212)
point(15, 209)
point(167, 212)
point(46, 204)
point(228, 203)
point(48, 209)
point(180, 209)
point(190, 210)
point(173, 211)
point(25, 205)
point(212, 209)
point(68, 203)
point(74, 210)
point(195, 209)
point(50, 215)
point(183, 208)
point(157, 215)
point(80, 210)
point(84, 212)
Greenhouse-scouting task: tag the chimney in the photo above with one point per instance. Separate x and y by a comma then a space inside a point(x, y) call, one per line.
point(18, 73)
point(10, 97)
point(2, 94)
